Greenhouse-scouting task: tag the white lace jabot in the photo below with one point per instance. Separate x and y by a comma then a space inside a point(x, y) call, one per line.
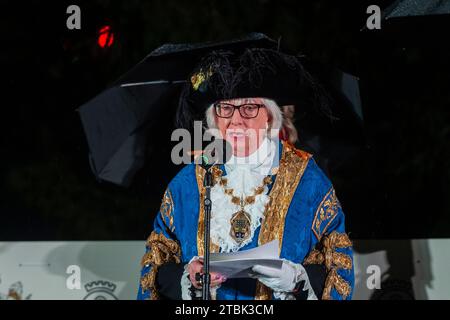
point(244, 175)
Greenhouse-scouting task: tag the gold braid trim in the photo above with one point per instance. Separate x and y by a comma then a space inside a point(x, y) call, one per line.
point(160, 250)
point(148, 281)
point(293, 163)
point(333, 261)
point(326, 212)
point(336, 281)
point(314, 257)
point(166, 210)
point(200, 174)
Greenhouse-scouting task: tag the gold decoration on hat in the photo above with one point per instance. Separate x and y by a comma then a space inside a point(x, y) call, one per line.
point(198, 78)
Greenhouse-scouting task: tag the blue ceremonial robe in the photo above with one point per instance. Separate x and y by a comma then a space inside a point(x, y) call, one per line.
point(304, 214)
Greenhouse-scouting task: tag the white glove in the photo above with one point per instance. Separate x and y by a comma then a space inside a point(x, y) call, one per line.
point(283, 280)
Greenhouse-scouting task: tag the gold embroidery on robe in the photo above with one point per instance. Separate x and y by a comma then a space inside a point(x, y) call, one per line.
point(326, 254)
point(325, 214)
point(200, 174)
point(160, 250)
point(166, 210)
point(293, 163)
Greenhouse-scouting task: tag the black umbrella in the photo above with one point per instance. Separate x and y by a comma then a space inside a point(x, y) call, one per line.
point(117, 121)
point(407, 8)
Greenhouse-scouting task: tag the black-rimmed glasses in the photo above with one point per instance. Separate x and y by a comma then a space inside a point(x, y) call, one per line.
point(247, 110)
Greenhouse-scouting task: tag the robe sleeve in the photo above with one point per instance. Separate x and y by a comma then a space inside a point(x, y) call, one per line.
point(332, 248)
point(162, 248)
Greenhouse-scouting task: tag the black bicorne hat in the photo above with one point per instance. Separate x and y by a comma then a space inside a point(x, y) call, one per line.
point(252, 72)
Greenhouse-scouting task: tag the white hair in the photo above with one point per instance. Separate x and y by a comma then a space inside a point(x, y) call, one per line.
point(276, 123)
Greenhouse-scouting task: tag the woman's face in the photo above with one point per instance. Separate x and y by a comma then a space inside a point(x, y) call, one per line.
point(245, 135)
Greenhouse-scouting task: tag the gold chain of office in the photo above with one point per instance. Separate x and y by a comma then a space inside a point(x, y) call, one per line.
point(241, 220)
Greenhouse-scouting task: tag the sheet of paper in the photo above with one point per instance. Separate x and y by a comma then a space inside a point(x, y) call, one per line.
point(238, 264)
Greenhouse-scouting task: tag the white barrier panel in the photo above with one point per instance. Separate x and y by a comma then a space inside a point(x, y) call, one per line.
point(387, 269)
point(48, 270)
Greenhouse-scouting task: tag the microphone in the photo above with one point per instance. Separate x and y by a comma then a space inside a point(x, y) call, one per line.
point(206, 162)
point(219, 151)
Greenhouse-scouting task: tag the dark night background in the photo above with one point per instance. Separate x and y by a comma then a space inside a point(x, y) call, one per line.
point(395, 185)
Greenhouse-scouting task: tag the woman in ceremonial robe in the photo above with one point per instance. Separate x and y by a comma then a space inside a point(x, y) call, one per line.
point(267, 190)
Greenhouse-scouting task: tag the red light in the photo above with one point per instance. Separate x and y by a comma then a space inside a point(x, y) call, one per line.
point(106, 37)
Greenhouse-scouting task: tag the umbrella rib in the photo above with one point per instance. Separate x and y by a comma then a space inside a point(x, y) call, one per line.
point(150, 82)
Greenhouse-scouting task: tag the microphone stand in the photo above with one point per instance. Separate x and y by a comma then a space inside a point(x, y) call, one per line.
point(207, 204)
point(206, 277)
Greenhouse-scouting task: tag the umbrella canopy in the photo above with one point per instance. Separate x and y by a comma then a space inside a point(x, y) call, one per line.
point(418, 18)
point(405, 8)
point(117, 121)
